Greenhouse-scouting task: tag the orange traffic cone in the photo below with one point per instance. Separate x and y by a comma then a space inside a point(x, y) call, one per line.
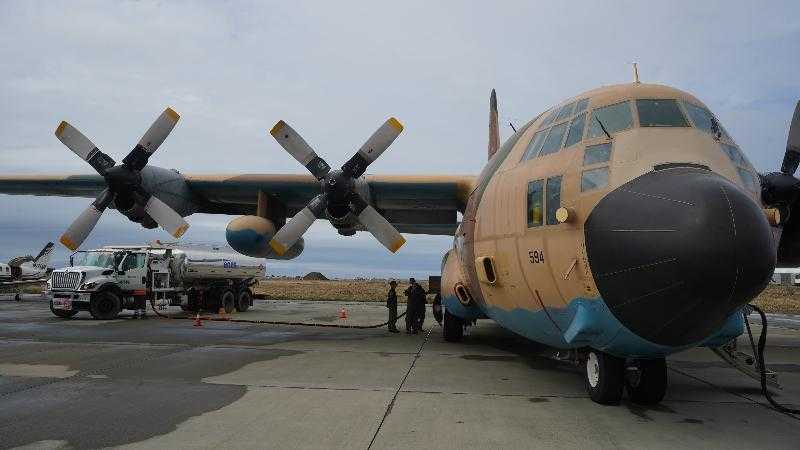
point(343, 313)
point(197, 321)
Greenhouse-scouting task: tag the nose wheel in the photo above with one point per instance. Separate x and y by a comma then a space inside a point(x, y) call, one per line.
point(604, 375)
point(607, 376)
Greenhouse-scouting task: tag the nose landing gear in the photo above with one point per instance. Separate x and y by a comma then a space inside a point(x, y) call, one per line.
point(606, 377)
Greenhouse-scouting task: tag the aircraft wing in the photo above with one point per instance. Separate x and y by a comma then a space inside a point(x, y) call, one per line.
point(413, 204)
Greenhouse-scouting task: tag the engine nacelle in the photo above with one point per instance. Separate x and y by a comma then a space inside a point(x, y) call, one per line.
point(167, 185)
point(250, 235)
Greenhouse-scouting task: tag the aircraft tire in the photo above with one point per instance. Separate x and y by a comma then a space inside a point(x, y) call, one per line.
point(61, 313)
point(452, 327)
point(604, 375)
point(649, 387)
point(228, 301)
point(243, 300)
point(105, 305)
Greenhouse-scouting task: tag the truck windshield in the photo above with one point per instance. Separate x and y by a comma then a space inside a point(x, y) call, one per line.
point(97, 259)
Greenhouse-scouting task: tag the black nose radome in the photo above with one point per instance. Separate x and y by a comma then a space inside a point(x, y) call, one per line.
point(674, 252)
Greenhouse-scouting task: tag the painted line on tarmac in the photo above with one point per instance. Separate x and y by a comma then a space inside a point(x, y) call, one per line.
point(399, 387)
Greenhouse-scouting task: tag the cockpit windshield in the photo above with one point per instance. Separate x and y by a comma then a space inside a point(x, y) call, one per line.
point(97, 259)
point(660, 113)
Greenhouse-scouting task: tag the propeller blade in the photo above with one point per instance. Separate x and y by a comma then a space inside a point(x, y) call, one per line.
point(791, 158)
point(298, 225)
point(376, 224)
point(80, 228)
point(291, 141)
point(83, 147)
point(380, 140)
point(152, 139)
point(166, 217)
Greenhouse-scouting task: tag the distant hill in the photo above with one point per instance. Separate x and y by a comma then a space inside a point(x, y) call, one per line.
point(315, 276)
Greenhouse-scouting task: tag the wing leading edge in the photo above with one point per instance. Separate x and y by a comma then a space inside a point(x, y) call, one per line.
point(426, 204)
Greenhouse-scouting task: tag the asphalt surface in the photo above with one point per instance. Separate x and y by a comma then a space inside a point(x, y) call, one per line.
point(163, 383)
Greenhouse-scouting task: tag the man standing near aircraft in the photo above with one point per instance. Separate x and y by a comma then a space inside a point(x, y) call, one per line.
point(391, 303)
point(411, 306)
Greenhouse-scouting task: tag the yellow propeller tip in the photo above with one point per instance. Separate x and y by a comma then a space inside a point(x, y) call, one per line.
point(397, 244)
point(181, 229)
point(172, 114)
point(60, 129)
point(277, 128)
point(67, 242)
point(395, 123)
point(277, 247)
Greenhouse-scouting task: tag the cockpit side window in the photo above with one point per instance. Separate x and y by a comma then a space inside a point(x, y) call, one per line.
point(553, 199)
point(743, 168)
point(565, 112)
point(701, 117)
point(534, 146)
point(616, 117)
point(535, 203)
point(660, 113)
point(553, 142)
point(582, 105)
point(575, 133)
point(549, 119)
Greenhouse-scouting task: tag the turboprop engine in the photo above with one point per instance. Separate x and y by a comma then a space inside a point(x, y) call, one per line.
point(250, 235)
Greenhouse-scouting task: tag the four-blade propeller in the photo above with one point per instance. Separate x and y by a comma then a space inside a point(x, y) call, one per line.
point(124, 181)
point(782, 189)
point(338, 196)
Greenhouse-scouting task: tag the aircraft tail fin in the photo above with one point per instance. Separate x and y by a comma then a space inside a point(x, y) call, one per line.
point(494, 129)
point(43, 258)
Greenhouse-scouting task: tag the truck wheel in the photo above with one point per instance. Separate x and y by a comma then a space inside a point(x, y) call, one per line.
point(604, 377)
point(244, 300)
point(228, 301)
point(648, 384)
point(452, 327)
point(61, 313)
point(105, 306)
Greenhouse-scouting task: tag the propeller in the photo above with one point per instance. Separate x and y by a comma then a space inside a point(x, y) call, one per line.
point(338, 197)
point(123, 181)
point(782, 189)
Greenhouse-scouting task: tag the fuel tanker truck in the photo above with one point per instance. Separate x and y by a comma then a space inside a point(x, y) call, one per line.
point(107, 280)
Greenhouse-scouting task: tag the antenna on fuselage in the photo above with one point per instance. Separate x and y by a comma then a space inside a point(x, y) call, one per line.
point(635, 73)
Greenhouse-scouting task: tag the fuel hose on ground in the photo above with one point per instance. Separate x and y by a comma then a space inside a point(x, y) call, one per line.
point(270, 322)
point(759, 351)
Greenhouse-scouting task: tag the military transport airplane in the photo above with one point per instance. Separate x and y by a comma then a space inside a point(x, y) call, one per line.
point(623, 224)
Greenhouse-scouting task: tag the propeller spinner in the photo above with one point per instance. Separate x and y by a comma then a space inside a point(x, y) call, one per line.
point(124, 181)
point(338, 196)
point(782, 189)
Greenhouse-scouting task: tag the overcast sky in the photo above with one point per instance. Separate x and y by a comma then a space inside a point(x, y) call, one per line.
point(335, 71)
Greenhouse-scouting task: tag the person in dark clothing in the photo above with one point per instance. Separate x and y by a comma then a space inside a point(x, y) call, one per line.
point(421, 308)
point(415, 312)
point(411, 306)
point(391, 303)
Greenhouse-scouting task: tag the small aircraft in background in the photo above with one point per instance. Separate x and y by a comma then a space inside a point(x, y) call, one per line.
point(621, 226)
point(26, 270)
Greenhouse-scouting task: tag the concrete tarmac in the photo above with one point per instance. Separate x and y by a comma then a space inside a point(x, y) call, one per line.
point(161, 383)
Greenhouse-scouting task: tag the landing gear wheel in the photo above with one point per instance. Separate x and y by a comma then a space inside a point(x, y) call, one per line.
point(244, 300)
point(228, 301)
point(648, 383)
point(105, 306)
point(452, 327)
point(62, 313)
point(604, 377)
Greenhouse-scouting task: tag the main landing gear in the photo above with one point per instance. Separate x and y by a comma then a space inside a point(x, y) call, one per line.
point(607, 375)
